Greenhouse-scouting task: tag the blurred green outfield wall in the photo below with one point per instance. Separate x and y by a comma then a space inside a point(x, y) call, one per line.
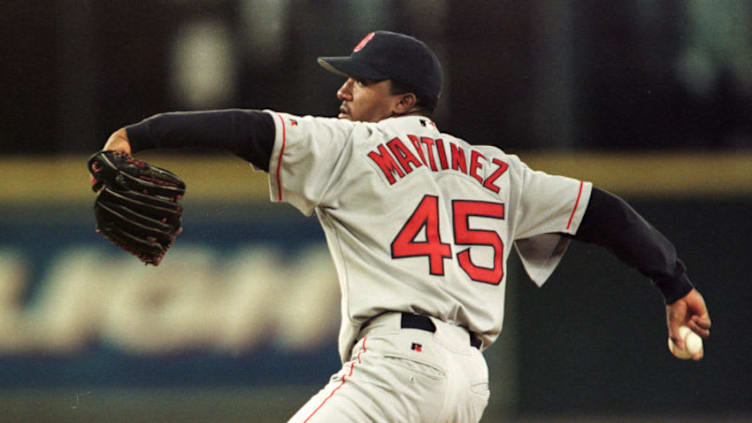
point(591, 342)
point(223, 178)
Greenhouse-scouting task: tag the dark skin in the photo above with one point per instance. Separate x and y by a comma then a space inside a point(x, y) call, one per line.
point(691, 311)
point(371, 101)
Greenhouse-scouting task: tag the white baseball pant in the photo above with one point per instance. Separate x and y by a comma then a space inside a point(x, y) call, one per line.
point(404, 375)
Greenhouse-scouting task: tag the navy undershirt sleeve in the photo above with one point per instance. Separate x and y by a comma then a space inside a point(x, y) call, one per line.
point(247, 133)
point(611, 223)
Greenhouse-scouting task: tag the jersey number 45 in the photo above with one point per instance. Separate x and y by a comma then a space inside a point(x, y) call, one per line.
point(426, 215)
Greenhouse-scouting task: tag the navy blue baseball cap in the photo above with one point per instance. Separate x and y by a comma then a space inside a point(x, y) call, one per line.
point(389, 55)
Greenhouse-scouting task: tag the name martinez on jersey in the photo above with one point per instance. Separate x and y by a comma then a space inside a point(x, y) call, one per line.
point(397, 160)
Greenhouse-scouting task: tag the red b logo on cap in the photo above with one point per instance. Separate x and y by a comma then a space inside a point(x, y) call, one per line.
point(363, 42)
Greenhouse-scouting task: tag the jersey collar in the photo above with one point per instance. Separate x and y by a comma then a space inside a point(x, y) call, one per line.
point(420, 120)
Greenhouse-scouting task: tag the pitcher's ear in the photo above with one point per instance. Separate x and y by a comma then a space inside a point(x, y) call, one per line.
point(406, 103)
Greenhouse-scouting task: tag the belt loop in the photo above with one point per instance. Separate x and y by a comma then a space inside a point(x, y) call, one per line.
point(475, 341)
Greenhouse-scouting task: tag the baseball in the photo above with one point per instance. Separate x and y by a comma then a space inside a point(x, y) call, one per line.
point(692, 342)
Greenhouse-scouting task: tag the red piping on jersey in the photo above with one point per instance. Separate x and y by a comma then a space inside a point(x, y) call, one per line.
point(279, 160)
point(344, 378)
point(576, 203)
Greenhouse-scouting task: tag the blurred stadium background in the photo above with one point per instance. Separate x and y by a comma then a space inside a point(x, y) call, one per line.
point(651, 100)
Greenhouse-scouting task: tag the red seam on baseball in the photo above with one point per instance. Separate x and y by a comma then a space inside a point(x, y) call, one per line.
point(576, 203)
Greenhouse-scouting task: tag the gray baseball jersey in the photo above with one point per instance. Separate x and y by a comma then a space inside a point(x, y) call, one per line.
point(420, 221)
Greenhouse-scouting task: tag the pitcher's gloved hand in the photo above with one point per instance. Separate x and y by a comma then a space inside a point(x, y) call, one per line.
point(137, 205)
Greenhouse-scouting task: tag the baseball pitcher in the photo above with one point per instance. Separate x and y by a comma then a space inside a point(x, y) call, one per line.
point(420, 225)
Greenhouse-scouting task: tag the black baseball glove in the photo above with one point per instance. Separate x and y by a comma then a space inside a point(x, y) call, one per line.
point(137, 204)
